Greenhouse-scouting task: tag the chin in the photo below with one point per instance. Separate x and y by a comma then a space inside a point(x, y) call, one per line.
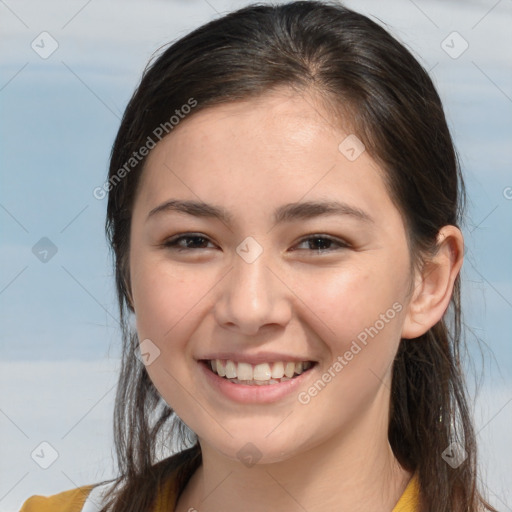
point(254, 451)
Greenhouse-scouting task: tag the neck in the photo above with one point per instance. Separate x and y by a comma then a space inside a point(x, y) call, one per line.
point(356, 471)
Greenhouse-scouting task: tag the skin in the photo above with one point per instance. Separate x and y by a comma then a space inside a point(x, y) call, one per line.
point(250, 158)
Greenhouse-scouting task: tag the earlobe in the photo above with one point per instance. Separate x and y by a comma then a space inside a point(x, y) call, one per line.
point(434, 286)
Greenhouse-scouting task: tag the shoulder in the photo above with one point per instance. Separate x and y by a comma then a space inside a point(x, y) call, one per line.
point(174, 472)
point(67, 501)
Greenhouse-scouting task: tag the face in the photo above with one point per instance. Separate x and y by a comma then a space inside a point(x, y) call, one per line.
point(296, 261)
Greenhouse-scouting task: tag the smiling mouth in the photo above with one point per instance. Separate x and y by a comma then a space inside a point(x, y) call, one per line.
point(257, 375)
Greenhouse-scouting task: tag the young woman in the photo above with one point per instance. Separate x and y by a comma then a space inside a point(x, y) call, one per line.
point(284, 197)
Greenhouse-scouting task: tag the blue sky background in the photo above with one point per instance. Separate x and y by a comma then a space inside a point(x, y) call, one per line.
point(58, 119)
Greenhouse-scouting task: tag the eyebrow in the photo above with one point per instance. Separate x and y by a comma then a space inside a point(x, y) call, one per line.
point(286, 213)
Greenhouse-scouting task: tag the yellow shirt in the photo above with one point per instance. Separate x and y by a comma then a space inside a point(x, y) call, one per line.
point(73, 500)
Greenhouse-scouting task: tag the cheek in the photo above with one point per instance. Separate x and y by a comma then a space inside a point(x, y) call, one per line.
point(361, 315)
point(164, 298)
point(347, 301)
point(167, 302)
point(361, 312)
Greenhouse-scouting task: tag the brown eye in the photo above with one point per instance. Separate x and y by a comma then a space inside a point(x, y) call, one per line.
point(186, 242)
point(321, 244)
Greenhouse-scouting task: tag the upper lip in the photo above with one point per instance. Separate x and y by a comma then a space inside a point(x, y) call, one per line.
point(254, 359)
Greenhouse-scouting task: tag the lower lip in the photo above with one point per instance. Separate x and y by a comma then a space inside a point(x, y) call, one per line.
point(264, 394)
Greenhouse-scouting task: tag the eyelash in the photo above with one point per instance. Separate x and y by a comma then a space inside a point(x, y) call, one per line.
point(172, 243)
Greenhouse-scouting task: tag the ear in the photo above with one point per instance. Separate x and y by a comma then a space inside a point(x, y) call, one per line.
point(434, 285)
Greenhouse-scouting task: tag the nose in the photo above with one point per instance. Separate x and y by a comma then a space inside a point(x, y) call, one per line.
point(252, 296)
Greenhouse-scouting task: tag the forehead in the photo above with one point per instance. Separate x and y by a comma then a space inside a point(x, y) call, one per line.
point(297, 116)
point(276, 148)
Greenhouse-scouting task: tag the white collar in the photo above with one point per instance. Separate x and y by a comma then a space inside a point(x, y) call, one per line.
point(96, 499)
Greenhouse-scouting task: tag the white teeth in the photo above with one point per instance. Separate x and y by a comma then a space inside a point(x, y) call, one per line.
point(221, 369)
point(262, 373)
point(289, 369)
point(244, 371)
point(231, 372)
point(258, 382)
point(278, 370)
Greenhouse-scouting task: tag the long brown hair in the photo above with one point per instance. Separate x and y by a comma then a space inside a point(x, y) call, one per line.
point(393, 107)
